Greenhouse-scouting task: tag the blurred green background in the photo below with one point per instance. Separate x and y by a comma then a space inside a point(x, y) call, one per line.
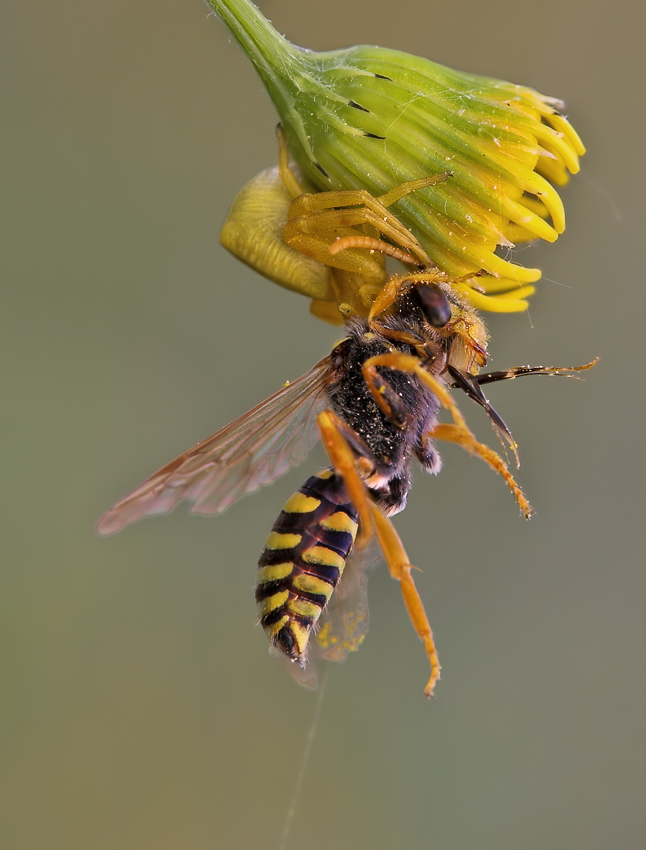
point(138, 705)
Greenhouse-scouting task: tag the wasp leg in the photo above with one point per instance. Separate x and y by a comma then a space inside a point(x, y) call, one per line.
point(428, 456)
point(388, 399)
point(458, 432)
point(400, 569)
point(367, 480)
point(335, 434)
point(339, 442)
point(508, 374)
point(465, 439)
point(466, 382)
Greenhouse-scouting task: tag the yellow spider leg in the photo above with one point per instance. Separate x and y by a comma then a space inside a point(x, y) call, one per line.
point(314, 201)
point(287, 175)
point(325, 207)
point(458, 432)
point(371, 244)
point(404, 189)
point(344, 462)
point(316, 220)
point(330, 221)
point(312, 234)
point(400, 569)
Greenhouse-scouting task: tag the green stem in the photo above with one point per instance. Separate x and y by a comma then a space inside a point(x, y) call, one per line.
point(290, 73)
point(276, 60)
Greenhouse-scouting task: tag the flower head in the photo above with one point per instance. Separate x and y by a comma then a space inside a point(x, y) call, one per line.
point(373, 118)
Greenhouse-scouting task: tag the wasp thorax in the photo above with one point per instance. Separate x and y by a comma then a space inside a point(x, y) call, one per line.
point(433, 303)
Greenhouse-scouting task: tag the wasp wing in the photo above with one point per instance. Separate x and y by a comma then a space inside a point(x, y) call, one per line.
point(344, 623)
point(247, 454)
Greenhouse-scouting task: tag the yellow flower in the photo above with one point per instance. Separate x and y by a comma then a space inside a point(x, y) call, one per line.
point(373, 118)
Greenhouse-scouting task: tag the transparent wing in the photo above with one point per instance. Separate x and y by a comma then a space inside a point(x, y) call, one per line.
point(343, 625)
point(248, 454)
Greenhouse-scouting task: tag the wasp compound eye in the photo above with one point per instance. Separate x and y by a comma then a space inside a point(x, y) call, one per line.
point(434, 304)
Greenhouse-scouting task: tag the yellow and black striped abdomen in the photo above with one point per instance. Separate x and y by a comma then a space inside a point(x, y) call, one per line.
point(303, 560)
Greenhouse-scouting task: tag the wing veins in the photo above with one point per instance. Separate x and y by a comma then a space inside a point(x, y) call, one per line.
point(243, 456)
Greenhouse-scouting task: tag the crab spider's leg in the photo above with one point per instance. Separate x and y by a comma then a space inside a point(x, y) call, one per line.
point(287, 175)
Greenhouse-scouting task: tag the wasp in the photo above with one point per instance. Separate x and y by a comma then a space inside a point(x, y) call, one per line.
point(375, 402)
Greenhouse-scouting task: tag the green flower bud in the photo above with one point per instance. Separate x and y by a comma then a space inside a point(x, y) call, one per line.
point(373, 118)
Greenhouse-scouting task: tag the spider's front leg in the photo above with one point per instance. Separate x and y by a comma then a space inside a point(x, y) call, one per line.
point(318, 220)
point(284, 231)
point(339, 229)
